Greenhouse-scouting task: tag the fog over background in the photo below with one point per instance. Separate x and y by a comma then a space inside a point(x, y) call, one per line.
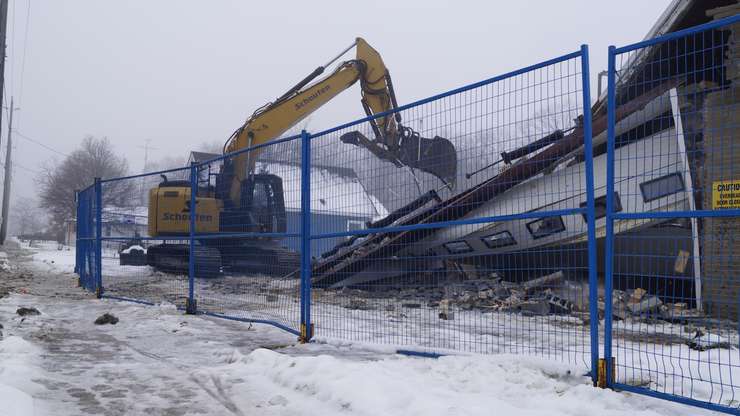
point(181, 73)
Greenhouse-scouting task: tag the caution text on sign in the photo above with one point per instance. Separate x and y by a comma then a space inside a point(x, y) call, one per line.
point(726, 194)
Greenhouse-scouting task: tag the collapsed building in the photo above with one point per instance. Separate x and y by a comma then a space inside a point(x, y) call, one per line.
point(673, 107)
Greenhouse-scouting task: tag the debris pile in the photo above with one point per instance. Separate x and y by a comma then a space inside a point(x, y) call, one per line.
point(539, 296)
point(545, 295)
point(638, 304)
point(551, 294)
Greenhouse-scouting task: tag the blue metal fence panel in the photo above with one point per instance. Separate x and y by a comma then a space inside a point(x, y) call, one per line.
point(305, 272)
point(593, 282)
point(260, 253)
point(85, 240)
point(127, 246)
point(672, 294)
point(500, 261)
point(98, 238)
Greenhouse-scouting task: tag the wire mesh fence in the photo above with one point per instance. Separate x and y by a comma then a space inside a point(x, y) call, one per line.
point(491, 257)
point(128, 246)
point(483, 219)
point(460, 222)
point(672, 242)
point(254, 237)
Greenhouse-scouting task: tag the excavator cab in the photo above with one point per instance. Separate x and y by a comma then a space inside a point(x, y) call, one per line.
point(261, 208)
point(263, 198)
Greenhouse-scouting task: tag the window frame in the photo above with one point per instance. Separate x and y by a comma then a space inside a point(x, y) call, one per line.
point(469, 248)
point(652, 181)
point(355, 222)
point(512, 240)
point(536, 237)
point(617, 206)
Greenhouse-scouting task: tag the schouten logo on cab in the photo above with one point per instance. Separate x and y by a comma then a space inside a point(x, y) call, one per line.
point(168, 216)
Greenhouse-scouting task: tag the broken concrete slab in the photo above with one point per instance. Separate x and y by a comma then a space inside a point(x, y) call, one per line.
point(359, 304)
point(531, 308)
point(485, 294)
point(444, 310)
point(678, 312)
point(543, 282)
point(637, 295)
point(704, 342)
point(645, 305)
point(501, 292)
point(558, 304)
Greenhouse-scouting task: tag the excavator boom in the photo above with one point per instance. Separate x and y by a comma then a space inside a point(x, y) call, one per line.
point(393, 142)
point(244, 201)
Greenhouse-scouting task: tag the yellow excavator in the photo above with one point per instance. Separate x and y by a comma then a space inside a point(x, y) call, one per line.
point(243, 201)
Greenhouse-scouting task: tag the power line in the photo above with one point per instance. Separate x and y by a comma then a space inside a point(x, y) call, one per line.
point(26, 168)
point(40, 143)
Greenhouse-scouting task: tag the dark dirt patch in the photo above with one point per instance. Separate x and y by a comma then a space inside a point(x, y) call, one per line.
point(106, 318)
point(23, 311)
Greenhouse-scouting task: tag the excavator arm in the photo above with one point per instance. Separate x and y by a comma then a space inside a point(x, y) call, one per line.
point(393, 142)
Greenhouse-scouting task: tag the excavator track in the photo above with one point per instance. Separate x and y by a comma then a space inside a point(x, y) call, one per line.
point(174, 258)
point(269, 259)
point(273, 260)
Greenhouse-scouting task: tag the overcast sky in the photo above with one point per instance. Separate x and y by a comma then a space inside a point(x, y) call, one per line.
point(183, 72)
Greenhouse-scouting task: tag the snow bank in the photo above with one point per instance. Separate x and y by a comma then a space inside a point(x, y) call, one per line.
point(51, 259)
point(452, 385)
point(134, 247)
point(15, 402)
point(16, 371)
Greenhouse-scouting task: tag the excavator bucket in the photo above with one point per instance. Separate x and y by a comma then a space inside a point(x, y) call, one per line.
point(436, 156)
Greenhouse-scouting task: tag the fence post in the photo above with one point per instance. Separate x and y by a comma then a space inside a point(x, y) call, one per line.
point(606, 368)
point(98, 238)
point(593, 282)
point(306, 326)
point(77, 233)
point(190, 305)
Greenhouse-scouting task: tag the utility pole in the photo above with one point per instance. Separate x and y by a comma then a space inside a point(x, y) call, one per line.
point(3, 30)
point(7, 180)
point(146, 148)
point(143, 181)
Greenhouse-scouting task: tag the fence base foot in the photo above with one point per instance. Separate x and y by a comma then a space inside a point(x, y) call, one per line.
point(305, 336)
point(601, 380)
point(191, 307)
point(99, 292)
point(79, 282)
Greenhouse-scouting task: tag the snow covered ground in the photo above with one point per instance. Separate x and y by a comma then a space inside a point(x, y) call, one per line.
point(158, 361)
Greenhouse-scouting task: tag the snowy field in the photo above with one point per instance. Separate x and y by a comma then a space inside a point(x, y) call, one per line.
point(158, 361)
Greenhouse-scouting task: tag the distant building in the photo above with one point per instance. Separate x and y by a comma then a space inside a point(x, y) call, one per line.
point(124, 222)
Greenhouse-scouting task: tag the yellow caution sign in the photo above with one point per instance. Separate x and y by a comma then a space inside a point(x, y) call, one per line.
point(726, 194)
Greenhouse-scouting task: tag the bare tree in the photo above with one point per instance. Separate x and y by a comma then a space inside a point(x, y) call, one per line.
point(94, 158)
point(26, 217)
